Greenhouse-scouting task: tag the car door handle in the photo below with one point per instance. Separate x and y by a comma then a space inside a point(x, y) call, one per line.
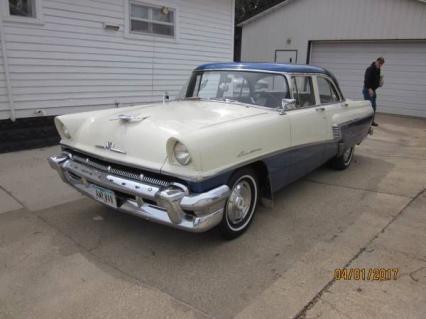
point(320, 109)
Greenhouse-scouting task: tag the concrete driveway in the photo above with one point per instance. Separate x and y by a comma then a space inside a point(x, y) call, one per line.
point(64, 256)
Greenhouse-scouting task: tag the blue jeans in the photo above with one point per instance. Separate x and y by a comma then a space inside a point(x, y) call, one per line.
point(372, 99)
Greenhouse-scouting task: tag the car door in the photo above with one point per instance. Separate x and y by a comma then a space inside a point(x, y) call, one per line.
point(332, 102)
point(308, 127)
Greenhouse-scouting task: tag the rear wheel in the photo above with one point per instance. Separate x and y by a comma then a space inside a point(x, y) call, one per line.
point(343, 161)
point(241, 203)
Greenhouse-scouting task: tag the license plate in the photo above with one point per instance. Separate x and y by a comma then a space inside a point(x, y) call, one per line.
point(105, 196)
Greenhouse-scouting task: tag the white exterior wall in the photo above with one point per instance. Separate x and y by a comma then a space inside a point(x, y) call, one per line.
point(3, 91)
point(305, 20)
point(4, 103)
point(70, 63)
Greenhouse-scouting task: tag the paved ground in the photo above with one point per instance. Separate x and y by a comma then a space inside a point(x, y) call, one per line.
point(63, 256)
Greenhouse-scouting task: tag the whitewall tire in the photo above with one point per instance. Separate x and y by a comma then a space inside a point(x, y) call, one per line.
point(343, 161)
point(241, 204)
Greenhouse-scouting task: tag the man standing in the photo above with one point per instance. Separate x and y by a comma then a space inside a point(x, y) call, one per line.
point(372, 81)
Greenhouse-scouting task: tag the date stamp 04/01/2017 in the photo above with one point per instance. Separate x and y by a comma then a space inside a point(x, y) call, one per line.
point(371, 274)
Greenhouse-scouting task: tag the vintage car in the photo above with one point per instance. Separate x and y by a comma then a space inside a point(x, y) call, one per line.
point(238, 133)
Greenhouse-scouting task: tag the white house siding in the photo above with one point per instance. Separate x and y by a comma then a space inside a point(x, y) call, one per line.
point(304, 20)
point(4, 103)
point(71, 63)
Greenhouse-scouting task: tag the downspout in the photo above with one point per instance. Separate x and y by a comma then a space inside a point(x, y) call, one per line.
point(6, 72)
point(233, 30)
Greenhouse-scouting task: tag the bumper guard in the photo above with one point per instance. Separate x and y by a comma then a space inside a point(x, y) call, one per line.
point(174, 207)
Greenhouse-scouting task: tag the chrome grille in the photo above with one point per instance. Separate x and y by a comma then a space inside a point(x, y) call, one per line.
point(125, 174)
point(117, 171)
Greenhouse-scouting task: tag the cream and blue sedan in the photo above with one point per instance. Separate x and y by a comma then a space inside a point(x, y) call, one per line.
point(238, 133)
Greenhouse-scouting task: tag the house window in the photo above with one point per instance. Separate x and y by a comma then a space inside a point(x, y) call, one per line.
point(152, 20)
point(22, 8)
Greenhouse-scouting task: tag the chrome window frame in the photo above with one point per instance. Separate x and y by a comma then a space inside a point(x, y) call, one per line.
point(284, 74)
point(330, 80)
point(314, 88)
point(288, 76)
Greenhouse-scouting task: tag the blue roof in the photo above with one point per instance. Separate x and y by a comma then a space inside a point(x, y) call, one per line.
point(275, 67)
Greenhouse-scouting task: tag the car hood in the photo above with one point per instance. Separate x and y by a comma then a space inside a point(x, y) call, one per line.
point(138, 135)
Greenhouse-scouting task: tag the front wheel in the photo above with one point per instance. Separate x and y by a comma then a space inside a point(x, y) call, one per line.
point(343, 161)
point(241, 203)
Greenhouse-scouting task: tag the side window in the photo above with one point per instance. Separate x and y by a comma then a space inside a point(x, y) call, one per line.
point(270, 90)
point(327, 92)
point(303, 91)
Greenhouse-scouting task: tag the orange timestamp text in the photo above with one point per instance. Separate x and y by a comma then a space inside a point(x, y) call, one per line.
point(371, 274)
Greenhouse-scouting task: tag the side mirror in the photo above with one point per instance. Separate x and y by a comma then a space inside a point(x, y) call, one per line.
point(287, 105)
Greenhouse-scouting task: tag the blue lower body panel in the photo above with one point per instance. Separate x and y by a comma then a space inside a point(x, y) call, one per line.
point(291, 164)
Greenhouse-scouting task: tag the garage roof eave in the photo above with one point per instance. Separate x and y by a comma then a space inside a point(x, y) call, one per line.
point(263, 13)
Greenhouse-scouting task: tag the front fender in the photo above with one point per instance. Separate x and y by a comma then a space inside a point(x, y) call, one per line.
point(221, 148)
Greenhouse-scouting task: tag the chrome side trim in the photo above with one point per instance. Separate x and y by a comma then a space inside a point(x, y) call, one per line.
point(337, 132)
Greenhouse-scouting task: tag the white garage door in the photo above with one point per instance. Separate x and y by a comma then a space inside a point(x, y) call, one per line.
point(404, 90)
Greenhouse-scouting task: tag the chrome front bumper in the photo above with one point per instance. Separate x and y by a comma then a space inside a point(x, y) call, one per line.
point(170, 205)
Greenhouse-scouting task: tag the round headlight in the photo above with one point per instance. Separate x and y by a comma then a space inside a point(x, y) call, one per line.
point(182, 154)
point(62, 128)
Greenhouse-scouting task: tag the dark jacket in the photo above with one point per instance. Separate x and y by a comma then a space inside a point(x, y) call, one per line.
point(372, 77)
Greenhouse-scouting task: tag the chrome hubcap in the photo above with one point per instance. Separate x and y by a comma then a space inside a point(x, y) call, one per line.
point(347, 155)
point(239, 202)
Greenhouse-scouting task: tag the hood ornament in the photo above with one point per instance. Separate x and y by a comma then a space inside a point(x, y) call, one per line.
point(110, 146)
point(129, 118)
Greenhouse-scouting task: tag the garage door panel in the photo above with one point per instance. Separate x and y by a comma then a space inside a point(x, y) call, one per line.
point(412, 99)
point(407, 68)
point(390, 83)
point(396, 109)
point(341, 59)
point(372, 47)
point(395, 67)
point(367, 53)
point(396, 89)
point(415, 78)
point(404, 90)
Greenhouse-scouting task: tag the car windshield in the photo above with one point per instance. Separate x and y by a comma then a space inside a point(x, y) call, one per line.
point(256, 88)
